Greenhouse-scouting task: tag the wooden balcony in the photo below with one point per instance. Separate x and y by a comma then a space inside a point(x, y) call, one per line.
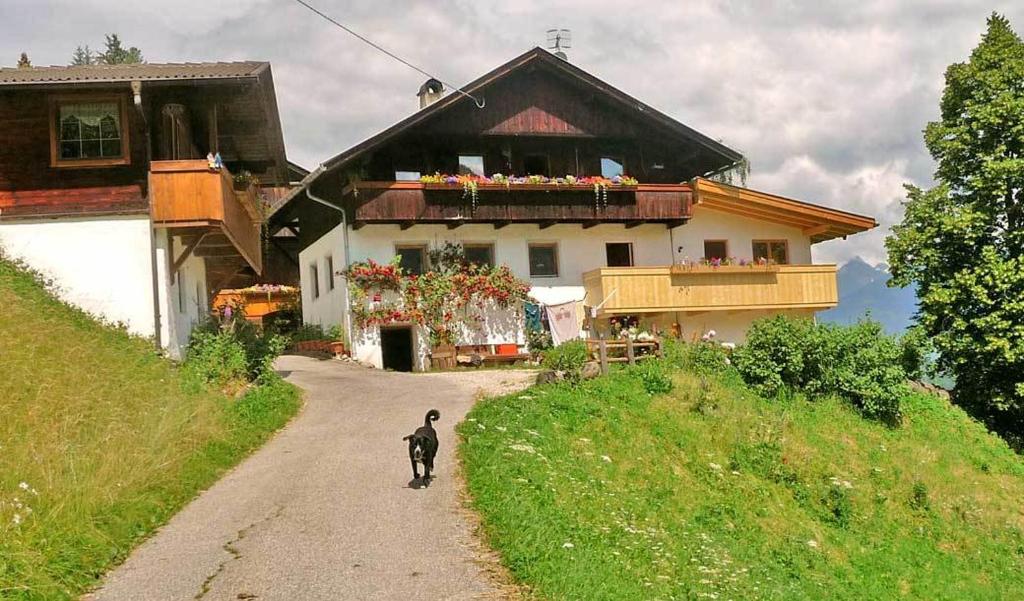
point(192, 199)
point(410, 203)
point(630, 290)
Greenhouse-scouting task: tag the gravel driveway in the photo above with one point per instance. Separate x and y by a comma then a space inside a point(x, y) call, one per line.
point(325, 510)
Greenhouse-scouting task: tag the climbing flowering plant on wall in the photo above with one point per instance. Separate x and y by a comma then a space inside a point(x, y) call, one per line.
point(452, 295)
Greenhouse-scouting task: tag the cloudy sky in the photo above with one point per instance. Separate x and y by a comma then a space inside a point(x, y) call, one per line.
point(826, 98)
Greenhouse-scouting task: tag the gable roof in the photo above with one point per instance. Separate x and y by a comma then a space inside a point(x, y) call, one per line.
point(72, 74)
point(535, 55)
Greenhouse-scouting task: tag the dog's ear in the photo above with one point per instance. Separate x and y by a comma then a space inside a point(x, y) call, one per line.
point(407, 437)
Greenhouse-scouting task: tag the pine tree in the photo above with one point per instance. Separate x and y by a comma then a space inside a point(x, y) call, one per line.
point(117, 54)
point(962, 242)
point(83, 56)
point(23, 62)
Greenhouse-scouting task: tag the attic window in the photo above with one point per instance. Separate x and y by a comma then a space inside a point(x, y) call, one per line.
point(471, 164)
point(88, 131)
point(536, 164)
point(407, 176)
point(611, 167)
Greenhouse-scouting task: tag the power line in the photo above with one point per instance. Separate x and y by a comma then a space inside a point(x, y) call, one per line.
point(479, 103)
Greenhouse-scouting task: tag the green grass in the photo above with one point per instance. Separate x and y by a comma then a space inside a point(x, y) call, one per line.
point(109, 440)
point(710, 492)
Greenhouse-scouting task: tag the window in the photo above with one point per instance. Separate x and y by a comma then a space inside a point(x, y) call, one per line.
point(479, 254)
point(715, 249)
point(471, 164)
point(314, 281)
point(412, 258)
point(611, 166)
point(776, 251)
point(619, 254)
point(543, 260)
point(200, 305)
point(88, 131)
point(330, 272)
point(407, 176)
point(536, 164)
point(181, 292)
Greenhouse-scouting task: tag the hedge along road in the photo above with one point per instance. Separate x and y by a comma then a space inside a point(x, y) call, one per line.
point(325, 510)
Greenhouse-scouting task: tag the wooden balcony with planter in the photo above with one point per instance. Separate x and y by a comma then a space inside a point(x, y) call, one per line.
point(202, 204)
point(500, 204)
point(693, 289)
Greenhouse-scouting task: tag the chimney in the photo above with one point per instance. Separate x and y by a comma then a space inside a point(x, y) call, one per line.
point(430, 92)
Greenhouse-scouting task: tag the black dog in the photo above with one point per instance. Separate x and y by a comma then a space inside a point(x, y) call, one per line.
point(423, 446)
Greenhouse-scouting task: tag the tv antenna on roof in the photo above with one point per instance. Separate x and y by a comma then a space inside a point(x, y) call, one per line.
point(559, 40)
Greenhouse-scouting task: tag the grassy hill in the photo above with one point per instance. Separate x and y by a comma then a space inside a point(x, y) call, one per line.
point(100, 440)
point(604, 491)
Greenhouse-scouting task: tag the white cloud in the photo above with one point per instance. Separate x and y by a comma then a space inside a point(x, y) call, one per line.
point(826, 98)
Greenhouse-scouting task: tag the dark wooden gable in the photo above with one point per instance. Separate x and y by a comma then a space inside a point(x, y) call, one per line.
point(537, 102)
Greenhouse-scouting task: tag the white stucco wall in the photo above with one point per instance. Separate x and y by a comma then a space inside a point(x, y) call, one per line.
point(739, 232)
point(183, 299)
point(102, 265)
point(579, 250)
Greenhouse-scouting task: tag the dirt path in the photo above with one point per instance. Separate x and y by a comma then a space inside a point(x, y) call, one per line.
point(324, 510)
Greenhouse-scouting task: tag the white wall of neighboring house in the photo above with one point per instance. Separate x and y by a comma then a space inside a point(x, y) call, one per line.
point(183, 297)
point(579, 250)
point(101, 265)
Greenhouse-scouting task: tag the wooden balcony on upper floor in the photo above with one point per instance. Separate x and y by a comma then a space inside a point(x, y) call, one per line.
point(632, 290)
point(189, 196)
point(411, 203)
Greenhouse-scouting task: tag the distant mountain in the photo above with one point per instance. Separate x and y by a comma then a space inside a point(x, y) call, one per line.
point(863, 290)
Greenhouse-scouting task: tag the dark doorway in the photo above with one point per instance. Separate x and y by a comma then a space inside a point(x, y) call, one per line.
point(396, 348)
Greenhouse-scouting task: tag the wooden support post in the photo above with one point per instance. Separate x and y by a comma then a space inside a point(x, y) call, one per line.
point(630, 352)
point(602, 354)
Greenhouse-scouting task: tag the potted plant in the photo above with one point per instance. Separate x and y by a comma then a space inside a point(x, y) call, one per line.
point(338, 343)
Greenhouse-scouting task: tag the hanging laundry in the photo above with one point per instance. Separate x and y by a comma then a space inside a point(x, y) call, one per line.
point(564, 322)
point(533, 319)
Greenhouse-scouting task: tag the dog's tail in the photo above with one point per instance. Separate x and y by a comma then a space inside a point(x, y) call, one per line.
point(432, 416)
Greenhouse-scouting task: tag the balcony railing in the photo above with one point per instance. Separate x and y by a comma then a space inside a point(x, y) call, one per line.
point(188, 194)
point(629, 290)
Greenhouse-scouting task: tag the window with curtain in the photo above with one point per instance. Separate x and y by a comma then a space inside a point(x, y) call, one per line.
point(774, 251)
point(89, 130)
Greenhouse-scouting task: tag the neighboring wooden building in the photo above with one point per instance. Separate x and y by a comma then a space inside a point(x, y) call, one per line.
point(105, 186)
point(633, 251)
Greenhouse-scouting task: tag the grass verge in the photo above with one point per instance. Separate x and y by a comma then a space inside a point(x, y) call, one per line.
point(603, 491)
point(101, 441)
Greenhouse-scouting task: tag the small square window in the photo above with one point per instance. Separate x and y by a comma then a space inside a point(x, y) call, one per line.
point(471, 164)
point(314, 281)
point(330, 272)
point(775, 251)
point(543, 260)
point(88, 131)
point(412, 258)
point(479, 254)
point(715, 249)
point(619, 254)
point(611, 167)
point(536, 164)
point(407, 176)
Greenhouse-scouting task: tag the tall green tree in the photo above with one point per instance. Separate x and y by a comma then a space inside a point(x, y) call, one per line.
point(23, 61)
point(117, 54)
point(962, 242)
point(83, 55)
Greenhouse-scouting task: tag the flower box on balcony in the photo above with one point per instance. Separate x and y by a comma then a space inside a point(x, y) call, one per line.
point(679, 269)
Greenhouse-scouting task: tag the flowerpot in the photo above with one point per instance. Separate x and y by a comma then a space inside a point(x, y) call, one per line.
point(507, 349)
point(337, 348)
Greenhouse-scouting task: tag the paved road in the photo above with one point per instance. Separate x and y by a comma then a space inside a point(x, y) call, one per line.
point(325, 510)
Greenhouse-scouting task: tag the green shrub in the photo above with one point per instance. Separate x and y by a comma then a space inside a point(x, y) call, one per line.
point(859, 363)
point(235, 352)
point(915, 350)
point(654, 375)
point(538, 340)
point(568, 357)
point(773, 356)
point(704, 358)
point(215, 358)
point(919, 496)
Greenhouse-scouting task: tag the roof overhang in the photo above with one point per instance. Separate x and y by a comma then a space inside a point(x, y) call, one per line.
point(817, 222)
